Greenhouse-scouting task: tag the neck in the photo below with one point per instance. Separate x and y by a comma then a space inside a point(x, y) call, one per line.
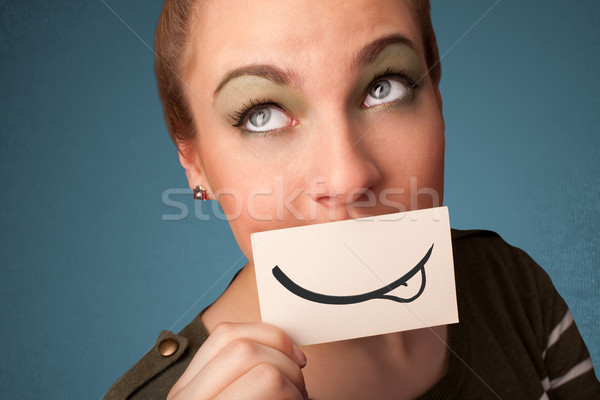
point(239, 302)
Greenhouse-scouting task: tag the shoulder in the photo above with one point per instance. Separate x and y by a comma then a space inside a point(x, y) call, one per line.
point(510, 306)
point(477, 243)
point(503, 293)
point(485, 257)
point(153, 376)
point(503, 278)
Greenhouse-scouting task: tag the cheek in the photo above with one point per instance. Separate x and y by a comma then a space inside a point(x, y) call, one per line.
point(244, 199)
point(410, 153)
point(255, 190)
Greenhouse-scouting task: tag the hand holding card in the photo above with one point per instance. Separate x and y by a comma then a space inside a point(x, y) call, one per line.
point(244, 360)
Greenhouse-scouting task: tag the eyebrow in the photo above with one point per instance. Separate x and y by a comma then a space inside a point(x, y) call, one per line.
point(287, 77)
point(368, 53)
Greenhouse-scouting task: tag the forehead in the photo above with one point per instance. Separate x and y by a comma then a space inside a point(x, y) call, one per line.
point(298, 34)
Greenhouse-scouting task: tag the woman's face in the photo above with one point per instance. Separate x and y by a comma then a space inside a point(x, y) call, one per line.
point(312, 111)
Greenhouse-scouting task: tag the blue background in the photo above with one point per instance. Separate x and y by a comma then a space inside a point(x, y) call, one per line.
point(90, 271)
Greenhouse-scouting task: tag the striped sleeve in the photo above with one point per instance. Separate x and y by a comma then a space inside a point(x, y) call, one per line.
point(570, 373)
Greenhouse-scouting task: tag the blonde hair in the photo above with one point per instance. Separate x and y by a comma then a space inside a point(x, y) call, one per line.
point(171, 47)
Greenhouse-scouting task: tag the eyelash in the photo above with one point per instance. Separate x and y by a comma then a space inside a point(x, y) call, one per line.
point(399, 74)
point(238, 117)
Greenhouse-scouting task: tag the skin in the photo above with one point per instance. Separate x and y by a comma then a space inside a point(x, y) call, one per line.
point(355, 153)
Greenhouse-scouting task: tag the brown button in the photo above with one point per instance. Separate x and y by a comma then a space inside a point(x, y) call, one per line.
point(168, 347)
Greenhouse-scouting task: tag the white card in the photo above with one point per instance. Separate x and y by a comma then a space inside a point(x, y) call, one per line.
point(355, 278)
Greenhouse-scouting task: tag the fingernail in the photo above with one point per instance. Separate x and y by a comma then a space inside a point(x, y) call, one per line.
point(300, 357)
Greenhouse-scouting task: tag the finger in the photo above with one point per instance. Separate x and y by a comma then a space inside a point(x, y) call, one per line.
point(234, 361)
point(226, 332)
point(263, 382)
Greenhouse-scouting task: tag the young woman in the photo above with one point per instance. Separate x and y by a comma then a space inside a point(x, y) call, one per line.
point(327, 105)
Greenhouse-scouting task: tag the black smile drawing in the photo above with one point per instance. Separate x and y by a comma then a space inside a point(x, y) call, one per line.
point(358, 298)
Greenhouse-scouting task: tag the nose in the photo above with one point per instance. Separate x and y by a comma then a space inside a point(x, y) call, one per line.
point(346, 169)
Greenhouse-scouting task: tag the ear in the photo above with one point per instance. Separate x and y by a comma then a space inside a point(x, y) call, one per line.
point(193, 169)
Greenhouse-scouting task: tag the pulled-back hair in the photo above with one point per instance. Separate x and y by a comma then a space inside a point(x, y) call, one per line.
point(172, 57)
